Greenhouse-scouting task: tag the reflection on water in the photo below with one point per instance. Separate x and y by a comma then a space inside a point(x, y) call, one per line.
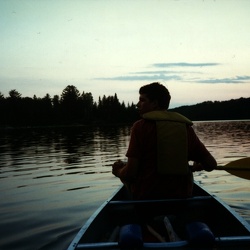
point(53, 179)
point(227, 141)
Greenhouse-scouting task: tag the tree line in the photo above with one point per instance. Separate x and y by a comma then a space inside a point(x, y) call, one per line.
point(71, 107)
point(235, 109)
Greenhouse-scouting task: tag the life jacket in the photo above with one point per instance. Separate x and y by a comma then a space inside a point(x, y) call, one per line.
point(172, 145)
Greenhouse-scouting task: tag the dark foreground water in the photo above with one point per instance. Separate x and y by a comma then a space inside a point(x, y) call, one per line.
point(52, 180)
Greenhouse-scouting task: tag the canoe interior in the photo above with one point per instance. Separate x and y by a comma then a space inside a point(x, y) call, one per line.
point(121, 210)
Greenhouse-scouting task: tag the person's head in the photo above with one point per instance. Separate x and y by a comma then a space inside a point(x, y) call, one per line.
point(153, 96)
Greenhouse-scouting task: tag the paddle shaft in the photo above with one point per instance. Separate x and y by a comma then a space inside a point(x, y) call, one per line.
point(233, 169)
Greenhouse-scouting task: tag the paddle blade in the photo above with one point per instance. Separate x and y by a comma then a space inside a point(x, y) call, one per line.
point(240, 168)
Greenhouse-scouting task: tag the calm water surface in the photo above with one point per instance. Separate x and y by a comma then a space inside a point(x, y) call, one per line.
point(52, 180)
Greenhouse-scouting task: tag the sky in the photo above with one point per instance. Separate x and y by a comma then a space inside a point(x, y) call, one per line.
point(199, 49)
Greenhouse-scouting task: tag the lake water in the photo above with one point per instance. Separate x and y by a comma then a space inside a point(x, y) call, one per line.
point(52, 180)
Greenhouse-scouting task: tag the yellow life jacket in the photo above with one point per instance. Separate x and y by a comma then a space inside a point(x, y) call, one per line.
point(172, 145)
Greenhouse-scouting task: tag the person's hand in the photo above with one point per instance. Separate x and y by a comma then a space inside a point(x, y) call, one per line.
point(117, 166)
point(196, 167)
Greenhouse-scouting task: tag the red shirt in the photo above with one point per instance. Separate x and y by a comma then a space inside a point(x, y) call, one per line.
point(148, 184)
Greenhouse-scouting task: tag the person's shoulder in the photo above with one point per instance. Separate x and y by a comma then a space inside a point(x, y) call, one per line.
point(190, 129)
point(142, 124)
point(137, 124)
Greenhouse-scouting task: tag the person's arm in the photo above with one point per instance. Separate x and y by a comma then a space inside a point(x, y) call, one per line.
point(208, 164)
point(199, 153)
point(126, 171)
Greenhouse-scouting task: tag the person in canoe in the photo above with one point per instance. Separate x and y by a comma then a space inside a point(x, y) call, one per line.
point(161, 145)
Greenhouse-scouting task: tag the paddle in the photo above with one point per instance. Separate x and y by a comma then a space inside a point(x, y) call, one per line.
point(240, 168)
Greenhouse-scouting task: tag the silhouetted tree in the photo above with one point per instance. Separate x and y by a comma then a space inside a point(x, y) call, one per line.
point(132, 112)
point(70, 103)
point(87, 103)
point(46, 109)
point(56, 108)
point(28, 112)
point(13, 113)
point(14, 94)
point(109, 109)
point(2, 110)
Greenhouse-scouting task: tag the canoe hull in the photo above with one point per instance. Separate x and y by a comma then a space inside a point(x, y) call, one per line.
point(102, 229)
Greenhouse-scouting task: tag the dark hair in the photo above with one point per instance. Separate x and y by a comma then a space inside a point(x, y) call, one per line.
point(157, 92)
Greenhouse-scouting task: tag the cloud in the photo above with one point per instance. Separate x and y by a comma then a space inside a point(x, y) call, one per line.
point(172, 75)
point(183, 64)
point(143, 77)
point(161, 75)
point(158, 72)
point(237, 79)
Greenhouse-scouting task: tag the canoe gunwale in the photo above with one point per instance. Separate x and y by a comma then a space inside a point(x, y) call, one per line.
point(134, 202)
point(219, 241)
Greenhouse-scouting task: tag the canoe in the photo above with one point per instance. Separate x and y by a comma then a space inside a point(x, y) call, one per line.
point(203, 221)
